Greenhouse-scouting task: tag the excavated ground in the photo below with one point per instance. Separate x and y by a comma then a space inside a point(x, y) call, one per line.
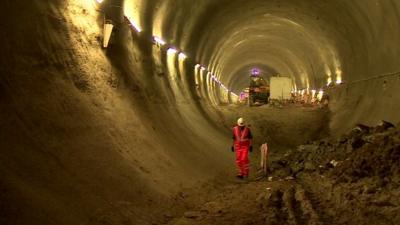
point(352, 180)
point(283, 128)
point(221, 202)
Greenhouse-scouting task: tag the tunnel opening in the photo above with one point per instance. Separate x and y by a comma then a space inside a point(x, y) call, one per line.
point(139, 131)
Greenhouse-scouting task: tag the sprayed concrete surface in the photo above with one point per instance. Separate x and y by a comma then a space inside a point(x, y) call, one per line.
point(123, 135)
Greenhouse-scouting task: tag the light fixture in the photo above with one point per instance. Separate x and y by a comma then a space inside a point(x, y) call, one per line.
point(182, 56)
point(320, 95)
point(338, 76)
point(159, 41)
point(255, 72)
point(133, 24)
point(107, 30)
point(172, 51)
point(99, 1)
point(329, 81)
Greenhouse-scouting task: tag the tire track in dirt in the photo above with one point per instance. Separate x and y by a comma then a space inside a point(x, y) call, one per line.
point(291, 204)
point(258, 203)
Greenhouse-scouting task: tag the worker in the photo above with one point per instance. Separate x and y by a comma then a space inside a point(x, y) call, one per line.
point(242, 144)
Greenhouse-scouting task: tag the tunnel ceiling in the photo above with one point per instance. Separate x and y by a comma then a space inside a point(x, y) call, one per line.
point(314, 42)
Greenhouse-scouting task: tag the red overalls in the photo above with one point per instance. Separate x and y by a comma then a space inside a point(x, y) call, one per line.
point(242, 145)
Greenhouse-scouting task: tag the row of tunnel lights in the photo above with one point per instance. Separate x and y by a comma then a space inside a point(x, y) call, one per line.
point(172, 51)
point(214, 78)
point(182, 56)
point(320, 93)
point(314, 93)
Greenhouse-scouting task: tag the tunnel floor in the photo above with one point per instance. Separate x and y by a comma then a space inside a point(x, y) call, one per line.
point(323, 181)
point(120, 112)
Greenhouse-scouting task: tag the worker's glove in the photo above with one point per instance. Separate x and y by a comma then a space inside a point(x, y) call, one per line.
point(232, 149)
point(251, 148)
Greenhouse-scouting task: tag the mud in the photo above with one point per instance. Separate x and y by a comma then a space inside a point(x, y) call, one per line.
point(355, 178)
point(350, 180)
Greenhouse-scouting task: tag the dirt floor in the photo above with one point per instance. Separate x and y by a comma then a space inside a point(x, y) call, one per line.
point(283, 128)
point(352, 180)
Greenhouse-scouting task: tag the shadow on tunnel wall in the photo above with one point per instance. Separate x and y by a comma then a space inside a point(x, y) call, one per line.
point(88, 136)
point(84, 141)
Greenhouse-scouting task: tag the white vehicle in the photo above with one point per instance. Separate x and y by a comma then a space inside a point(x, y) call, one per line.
point(280, 88)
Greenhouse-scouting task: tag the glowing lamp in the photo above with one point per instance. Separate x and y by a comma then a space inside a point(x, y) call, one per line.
point(134, 25)
point(329, 81)
point(255, 72)
point(159, 40)
point(338, 76)
point(320, 95)
point(182, 56)
point(172, 51)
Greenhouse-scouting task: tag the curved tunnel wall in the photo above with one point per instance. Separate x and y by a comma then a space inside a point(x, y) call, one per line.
point(315, 43)
point(118, 128)
point(87, 133)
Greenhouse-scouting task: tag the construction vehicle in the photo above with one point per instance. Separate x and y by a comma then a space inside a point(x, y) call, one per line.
point(259, 89)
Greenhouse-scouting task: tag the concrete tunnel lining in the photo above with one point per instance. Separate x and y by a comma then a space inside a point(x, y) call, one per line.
point(82, 125)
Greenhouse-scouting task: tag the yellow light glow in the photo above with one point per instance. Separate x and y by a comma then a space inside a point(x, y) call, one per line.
point(132, 11)
point(329, 81)
point(196, 73)
point(313, 92)
point(174, 76)
point(320, 95)
point(159, 41)
point(338, 76)
point(87, 21)
point(159, 17)
point(181, 59)
point(99, 1)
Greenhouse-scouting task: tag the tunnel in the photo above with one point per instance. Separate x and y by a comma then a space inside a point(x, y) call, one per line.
point(135, 127)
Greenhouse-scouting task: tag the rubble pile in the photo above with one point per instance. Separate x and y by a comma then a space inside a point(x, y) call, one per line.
point(379, 158)
point(356, 178)
point(363, 152)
